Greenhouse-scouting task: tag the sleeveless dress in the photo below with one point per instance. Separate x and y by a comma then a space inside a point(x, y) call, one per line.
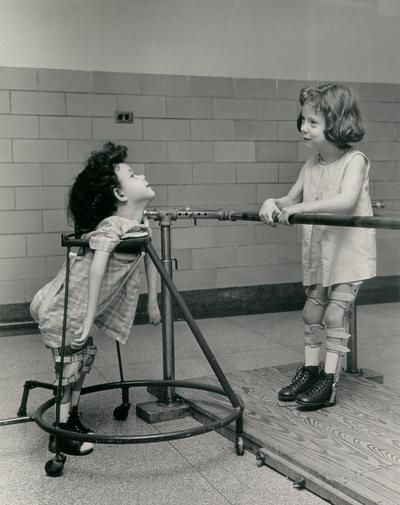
point(334, 254)
point(119, 289)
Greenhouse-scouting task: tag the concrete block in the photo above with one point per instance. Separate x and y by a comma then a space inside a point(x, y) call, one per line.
point(211, 86)
point(19, 127)
point(107, 129)
point(55, 221)
point(204, 129)
point(7, 198)
point(265, 234)
point(12, 246)
point(79, 150)
point(13, 269)
point(254, 88)
point(143, 151)
point(272, 191)
point(20, 221)
point(84, 104)
point(289, 253)
point(5, 101)
point(303, 152)
point(40, 150)
point(167, 173)
point(41, 197)
point(283, 110)
point(195, 238)
point(287, 130)
point(234, 151)
point(60, 174)
point(64, 80)
point(387, 190)
point(386, 151)
point(32, 286)
point(263, 254)
point(5, 151)
point(213, 173)
point(18, 78)
point(290, 89)
point(39, 102)
point(166, 129)
point(53, 265)
point(255, 130)
point(214, 257)
point(161, 198)
point(166, 85)
point(65, 127)
point(257, 172)
point(44, 244)
point(143, 106)
point(255, 275)
point(20, 174)
point(234, 108)
point(12, 292)
point(196, 279)
point(380, 132)
point(380, 111)
point(190, 151)
point(288, 172)
point(191, 108)
point(197, 195)
point(276, 151)
point(234, 194)
point(184, 258)
point(224, 236)
point(396, 171)
point(377, 92)
point(116, 82)
point(382, 171)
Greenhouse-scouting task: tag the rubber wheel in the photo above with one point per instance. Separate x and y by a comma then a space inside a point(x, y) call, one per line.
point(239, 445)
point(121, 412)
point(259, 461)
point(54, 467)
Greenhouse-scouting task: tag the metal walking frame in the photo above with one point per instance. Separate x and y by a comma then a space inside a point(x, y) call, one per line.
point(166, 386)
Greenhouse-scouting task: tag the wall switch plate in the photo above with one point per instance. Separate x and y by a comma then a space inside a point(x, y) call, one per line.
point(123, 116)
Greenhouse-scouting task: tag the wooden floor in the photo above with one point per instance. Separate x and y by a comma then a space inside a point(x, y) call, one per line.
point(347, 454)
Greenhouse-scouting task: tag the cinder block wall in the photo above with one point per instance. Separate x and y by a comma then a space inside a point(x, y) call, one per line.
point(202, 142)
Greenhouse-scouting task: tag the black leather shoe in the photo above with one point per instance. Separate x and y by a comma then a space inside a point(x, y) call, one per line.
point(74, 422)
point(321, 394)
point(304, 378)
point(69, 446)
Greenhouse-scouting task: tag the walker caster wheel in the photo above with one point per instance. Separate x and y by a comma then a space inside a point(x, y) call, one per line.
point(121, 412)
point(239, 446)
point(299, 483)
point(260, 461)
point(54, 467)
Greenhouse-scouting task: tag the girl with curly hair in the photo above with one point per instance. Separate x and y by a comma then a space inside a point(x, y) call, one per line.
point(335, 259)
point(107, 203)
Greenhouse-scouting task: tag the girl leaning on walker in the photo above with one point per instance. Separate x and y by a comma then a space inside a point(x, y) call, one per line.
point(335, 259)
point(106, 202)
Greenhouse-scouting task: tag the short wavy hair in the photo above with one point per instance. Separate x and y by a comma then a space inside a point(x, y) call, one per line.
point(91, 197)
point(340, 110)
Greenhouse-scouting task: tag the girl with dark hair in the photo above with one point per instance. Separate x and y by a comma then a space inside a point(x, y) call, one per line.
point(107, 203)
point(335, 259)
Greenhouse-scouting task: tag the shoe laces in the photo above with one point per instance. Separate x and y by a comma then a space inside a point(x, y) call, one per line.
point(319, 385)
point(301, 374)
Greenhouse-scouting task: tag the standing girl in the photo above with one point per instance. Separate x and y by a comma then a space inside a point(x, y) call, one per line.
point(106, 202)
point(335, 259)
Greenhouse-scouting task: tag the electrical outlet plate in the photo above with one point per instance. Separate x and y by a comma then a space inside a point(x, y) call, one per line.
point(123, 116)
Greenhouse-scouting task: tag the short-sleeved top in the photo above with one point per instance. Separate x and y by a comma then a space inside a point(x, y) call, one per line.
point(119, 291)
point(333, 254)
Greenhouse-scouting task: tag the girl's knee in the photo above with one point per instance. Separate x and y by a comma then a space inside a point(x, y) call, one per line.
point(334, 316)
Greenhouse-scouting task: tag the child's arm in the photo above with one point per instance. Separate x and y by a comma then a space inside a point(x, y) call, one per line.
point(152, 304)
point(273, 206)
point(341, 203)
point(96, 274)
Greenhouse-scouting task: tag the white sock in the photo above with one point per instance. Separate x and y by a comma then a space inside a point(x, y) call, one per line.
point(311, 355)
point(64, 412)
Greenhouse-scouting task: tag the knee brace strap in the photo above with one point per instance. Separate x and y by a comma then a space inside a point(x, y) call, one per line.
point(341, 338)
point(344, 300)
point(313, 334)
point(316, 296)
point(75, 364)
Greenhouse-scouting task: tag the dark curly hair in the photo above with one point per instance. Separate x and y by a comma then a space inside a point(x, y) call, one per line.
point(91, 197)
point(340, 110)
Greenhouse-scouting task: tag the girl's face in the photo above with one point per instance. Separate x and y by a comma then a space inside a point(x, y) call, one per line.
point(313, 127)
point(133, 187)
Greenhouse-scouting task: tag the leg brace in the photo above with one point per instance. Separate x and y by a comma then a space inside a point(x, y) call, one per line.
point(76, 362)
point(313, 334)
point(317, 295)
